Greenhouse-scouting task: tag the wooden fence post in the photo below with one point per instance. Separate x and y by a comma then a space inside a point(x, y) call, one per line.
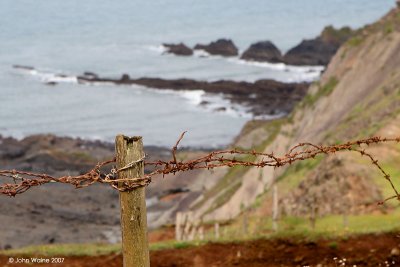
point(275, 207)
point(178, 226)
point(216, 230)
point(135, 246)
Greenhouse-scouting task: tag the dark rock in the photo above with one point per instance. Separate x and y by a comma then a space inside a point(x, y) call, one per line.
point(51, 83)
point(179, 49)
point(220, 109)
point(90, 74)
point(125, 78)
point(263, 51)
point(222, 47)
point(11, 151)
point(23, 67)
point(204, 103)
point(272, 96)
point(320, 50)
point(310, 52)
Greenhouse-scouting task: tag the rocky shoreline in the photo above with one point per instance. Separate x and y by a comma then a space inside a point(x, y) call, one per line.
point(59, 213)
point(263, 97)
point(310, 52)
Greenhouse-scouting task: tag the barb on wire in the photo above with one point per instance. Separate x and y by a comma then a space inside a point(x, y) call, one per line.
point(22, 181)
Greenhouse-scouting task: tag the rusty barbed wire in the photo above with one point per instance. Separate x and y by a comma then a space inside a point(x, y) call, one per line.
point(23, 181)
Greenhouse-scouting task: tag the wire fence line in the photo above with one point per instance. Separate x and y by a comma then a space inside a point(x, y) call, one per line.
point(21, 181)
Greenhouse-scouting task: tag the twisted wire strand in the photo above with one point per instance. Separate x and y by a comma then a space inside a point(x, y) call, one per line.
point(23, 181)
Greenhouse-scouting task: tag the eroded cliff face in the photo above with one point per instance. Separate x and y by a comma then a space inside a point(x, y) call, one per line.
point(358, 96)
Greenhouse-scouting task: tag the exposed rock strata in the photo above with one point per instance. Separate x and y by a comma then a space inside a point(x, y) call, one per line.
point(320, 50)
point(221, 47)
point(178, 49)
point(263, 51)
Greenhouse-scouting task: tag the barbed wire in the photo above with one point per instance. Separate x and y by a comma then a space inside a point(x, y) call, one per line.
point(23, 181)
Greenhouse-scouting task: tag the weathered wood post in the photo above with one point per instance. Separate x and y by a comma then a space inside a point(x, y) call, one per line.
point(178, 226)
point(275, 208)
point(216, 230)
point(129, 150)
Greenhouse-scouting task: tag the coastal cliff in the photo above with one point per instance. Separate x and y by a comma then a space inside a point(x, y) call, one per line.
point(358, 96)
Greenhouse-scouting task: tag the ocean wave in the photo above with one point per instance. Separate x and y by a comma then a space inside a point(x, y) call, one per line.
point(210, 103)
point(278, 66)
point(194, 97)
point(161, 49)
point(49, 76)
point(201, 53)
point(199, 99)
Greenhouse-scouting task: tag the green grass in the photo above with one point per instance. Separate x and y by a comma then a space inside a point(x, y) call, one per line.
point(231, 182)
point(393, 169)
point(325, 90)
point(273, 127)
point(332, 226)
point(389, 28)
point(225, 185)
point(228, 193)
point(296, 172)
point(91, 249)
point(355, 41)
point(336, 35)
point(66, 250)
point(329, 227)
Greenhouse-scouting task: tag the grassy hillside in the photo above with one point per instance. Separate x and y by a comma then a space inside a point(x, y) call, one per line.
point(358, 96)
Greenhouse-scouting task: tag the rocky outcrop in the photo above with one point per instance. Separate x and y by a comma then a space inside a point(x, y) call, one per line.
point(362, 101)
point(59, 213)
point(315, 194)
point(263, 97)
point(263, 51)
point(221, 47)
point(23, 67)
point(178, 49)
point(320, 50)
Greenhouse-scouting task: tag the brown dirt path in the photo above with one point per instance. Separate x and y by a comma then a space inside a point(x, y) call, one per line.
point(367, 250)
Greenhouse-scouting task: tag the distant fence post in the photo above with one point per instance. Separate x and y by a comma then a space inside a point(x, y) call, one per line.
point(135, 246)
point(178, 226)
point(275, 207)
point(216, 230)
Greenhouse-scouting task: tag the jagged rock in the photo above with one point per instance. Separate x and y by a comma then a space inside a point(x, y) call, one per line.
point(179, 49)
point(310, 52)
point(204, 103)
point(23, 67)
point(220, 109)
point(90, 74)
point(222, 47)
point(11, 150)
point(320, 50)
point(125, 78)
point(263, 51)
point(272, 96)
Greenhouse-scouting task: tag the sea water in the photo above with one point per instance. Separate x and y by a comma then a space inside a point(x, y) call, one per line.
point(125, 36)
